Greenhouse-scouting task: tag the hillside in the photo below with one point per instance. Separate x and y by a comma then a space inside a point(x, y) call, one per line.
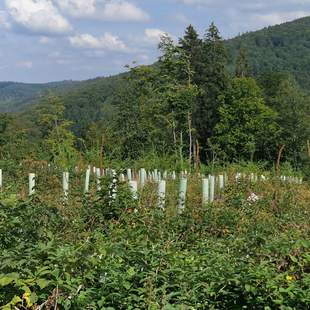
point(17, 96)
point(90, 102)
point(284, 47)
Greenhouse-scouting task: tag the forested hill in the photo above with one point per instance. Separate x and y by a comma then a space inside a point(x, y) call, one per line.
point(284, 47)
point(16, 96)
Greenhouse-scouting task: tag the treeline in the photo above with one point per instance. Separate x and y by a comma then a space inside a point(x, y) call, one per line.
point(187, 106)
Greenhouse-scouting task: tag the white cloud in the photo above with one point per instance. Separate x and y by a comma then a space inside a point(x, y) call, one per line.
point(105, 42)
point(77, 8)
point(110, 10)
point(119, 10)
point(38, 16)
point(25, 64)
point(153, 35)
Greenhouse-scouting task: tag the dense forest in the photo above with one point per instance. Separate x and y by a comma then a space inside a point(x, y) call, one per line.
point(197, 104)
point(281, 48)
point(18, 96)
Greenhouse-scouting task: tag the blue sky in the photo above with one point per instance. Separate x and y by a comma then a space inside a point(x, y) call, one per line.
point(50, 40)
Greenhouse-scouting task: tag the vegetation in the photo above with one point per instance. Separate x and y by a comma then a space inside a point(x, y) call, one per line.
point(98, 253)
point(187, 107)
point(188, 111)
point(18, 96)
point(281, 48)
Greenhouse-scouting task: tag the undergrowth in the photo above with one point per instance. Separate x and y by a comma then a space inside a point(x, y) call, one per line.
point(103, 252)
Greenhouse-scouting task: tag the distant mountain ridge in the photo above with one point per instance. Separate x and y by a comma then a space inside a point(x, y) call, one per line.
point(284, 48)
point(16, 96)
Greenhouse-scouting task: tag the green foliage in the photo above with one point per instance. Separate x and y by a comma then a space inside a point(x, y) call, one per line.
point(128, 254)
point(247, 127)
point(191, 46)
point(18, 96)
point(17, 220)
point(213, 87)
point(186, 106)
point(57, 138)
point(132, 126)
point(14, 138)
point(112, 201)
point(242, 65)
point(280, 48)
point(283, 94)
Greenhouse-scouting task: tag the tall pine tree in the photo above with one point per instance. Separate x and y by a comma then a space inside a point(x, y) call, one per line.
point(214, 84)
point(191, 46)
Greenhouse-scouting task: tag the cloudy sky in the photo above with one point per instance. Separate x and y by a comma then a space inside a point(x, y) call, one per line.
point(49, 40)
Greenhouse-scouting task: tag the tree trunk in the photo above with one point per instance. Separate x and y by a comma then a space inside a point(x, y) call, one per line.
point(197, 158)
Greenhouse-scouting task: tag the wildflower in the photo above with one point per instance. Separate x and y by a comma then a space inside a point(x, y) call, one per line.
point(26, 297)
point(290, 278)
point(253, 198)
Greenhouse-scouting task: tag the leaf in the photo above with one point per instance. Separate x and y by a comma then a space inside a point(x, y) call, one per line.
point(42, 283)
point(13, 302)
point(131, 271)
point(33, 298)
point(126, 285)
point(6, 281)
point(293, 259)
point(247, 287)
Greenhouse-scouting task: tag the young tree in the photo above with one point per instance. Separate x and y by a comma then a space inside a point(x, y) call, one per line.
point(58, 140)
point(132, 124)
point(247, 128)
point(179, 89)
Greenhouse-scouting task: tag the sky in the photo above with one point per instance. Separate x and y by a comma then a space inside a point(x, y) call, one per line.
point(53, 40)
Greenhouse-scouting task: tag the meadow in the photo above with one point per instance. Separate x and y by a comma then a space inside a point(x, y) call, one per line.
point(90, 251)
